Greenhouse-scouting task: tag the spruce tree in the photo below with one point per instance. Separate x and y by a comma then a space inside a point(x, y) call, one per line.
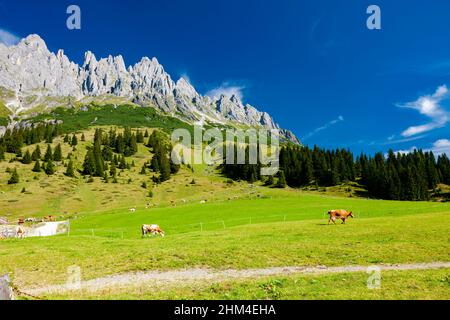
point(49, 168)
point(14, 179)
point(281, 180)
point(112, 170)
point(74, 141)
point(57, 155)
point(36, 155)
point(2, 152)
point(37, 166)
point(48, 154)
point(70, 172)
point(164, 168)
point(89, 164)
point(26, 158)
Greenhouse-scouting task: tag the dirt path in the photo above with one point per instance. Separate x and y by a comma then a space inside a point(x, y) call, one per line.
point(181, 276)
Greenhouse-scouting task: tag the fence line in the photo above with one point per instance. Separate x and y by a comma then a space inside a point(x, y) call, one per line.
point(205, 226)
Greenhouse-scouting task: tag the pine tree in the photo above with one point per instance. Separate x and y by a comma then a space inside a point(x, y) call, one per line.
point(89, 164)
point(36, 155)
point(14, 179)
point(112, 170)
point(57, 155)
point(139, 137)
point(37, 166)
point(48, 154)
point(122, 163)
point(2, 152)
point(74, 141)
point(164, 168)
point(83, 138)
point(281, 180)
point(70, 172)
point(26, 158)
point(49, 168)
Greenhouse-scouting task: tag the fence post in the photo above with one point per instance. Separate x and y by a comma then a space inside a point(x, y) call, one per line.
point(201, 227)
point(223, 222)
point(92, 231)
point(5, 288)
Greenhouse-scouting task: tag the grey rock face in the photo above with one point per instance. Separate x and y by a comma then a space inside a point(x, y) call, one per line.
point(30, 69)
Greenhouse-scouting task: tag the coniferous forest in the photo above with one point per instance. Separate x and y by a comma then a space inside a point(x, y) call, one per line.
point(392, 176)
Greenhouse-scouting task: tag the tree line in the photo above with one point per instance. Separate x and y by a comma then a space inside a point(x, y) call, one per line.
point(395, 176)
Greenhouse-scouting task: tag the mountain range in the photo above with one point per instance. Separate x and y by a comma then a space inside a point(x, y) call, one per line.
point(33, 79)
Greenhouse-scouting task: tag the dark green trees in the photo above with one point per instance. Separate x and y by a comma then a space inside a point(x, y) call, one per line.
point(70, 172)
point(37, 166)
point(57, 155)
point(14, 177)
point(387, 176)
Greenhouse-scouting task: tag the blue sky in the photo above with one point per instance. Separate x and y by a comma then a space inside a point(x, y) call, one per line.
point(313, 65)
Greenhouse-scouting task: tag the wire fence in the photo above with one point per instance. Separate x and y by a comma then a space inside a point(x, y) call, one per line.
point(202, 226)
point(221, 224)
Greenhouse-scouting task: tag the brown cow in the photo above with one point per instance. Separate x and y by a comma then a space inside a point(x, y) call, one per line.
point(20, 231)
point(153, 229)
point(49, 218)
point(339, 214)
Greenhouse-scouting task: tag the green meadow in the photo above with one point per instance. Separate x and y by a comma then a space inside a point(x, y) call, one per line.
point(213, 223)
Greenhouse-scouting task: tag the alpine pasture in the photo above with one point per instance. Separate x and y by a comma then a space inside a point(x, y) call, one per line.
point(213, 223)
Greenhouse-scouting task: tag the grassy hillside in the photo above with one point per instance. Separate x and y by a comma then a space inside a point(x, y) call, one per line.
point(81, 118)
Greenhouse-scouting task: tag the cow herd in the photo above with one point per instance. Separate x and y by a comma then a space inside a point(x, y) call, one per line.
point(154, 229)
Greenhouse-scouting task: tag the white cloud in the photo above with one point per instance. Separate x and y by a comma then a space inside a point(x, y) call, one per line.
point(324, 127)
point(392, 140)
point(227, 90)
point(429, 106)
point(439, 147)
point(8, 38)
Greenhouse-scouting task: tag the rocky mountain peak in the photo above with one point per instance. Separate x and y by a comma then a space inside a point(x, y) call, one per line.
point(29, 69)
point(33, 41)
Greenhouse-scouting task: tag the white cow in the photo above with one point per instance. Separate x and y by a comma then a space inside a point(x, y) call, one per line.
point(153, 229)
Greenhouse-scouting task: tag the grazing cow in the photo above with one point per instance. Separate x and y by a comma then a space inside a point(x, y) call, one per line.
point(20, 231)
point(153, 229)
point(49, 218)
point(339, 214)
point(133, 210)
